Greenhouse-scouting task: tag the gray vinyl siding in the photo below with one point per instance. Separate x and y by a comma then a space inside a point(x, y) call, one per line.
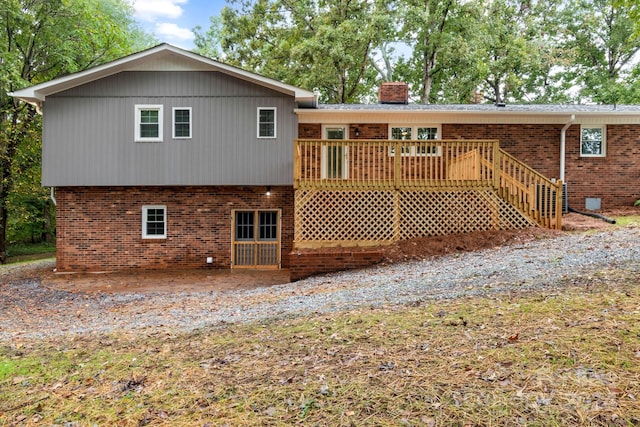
point(88, 136)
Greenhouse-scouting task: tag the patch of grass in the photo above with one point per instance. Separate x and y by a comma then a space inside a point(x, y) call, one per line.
point(23, 249)
point(565, 358)
point(625, 221)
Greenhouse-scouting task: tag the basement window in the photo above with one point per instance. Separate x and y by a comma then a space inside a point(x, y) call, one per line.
point(154, 222)
point(592, 141)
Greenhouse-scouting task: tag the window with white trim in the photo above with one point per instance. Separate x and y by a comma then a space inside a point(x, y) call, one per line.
point(593, 141)
point(420, 133)
point(267, 122)
point(148, 123)
point(154, 222)
point(181, 123)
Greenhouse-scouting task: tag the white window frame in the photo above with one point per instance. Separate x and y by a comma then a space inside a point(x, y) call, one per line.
point(324, 154)
point(145, 210)
point(173, 122)
point(412, 148)
point(275, 123)
point(603, 145)
point(143, 107)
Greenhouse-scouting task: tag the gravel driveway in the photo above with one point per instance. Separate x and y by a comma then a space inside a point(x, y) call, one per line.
point(31, 311)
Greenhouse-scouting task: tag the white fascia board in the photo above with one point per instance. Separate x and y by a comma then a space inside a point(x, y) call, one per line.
point(36, 94)
point(332, 116)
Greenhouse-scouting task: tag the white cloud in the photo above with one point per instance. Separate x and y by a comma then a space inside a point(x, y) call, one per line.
point(150, 10)
point(172, 31)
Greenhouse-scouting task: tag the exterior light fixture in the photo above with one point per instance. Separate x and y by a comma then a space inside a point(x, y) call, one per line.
point(268, 192)
point(357, 131)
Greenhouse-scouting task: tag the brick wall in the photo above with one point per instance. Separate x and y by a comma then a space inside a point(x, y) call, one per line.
point(308, 263)
point(369, 131)
point(309, 130)
point(614, 178)
point(364, 130)
point(100, 228)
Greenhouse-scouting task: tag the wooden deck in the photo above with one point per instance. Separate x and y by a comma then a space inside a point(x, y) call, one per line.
point(446, 181)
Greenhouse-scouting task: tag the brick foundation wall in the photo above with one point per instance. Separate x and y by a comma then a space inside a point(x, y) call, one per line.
point(308, 263)
point(100, 228)
point(610, 178)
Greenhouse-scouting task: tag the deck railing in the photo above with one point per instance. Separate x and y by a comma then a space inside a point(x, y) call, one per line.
point(426, 165)
point(529, 191)
point(372, 164)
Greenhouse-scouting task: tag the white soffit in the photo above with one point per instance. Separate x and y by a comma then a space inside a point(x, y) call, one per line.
point(327, 116)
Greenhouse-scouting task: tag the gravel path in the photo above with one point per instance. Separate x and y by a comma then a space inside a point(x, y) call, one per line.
point(31, 311)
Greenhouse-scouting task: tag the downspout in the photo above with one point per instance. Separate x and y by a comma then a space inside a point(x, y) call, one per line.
point(563, 134)
point(563, 137)
point(53, 197)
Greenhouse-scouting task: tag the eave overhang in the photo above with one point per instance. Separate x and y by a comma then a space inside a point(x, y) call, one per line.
point(144, 60)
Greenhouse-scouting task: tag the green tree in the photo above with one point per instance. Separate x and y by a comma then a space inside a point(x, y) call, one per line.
point(208, 42)
point(436, 31)
point(520, 51)
point(41, 40)
point(322, 45)
point(604, 41)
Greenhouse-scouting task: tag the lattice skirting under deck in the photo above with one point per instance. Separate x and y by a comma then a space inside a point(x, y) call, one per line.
point(365, 218)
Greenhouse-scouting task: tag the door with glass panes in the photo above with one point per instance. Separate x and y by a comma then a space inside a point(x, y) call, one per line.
point(256, 239)
point(335, 155)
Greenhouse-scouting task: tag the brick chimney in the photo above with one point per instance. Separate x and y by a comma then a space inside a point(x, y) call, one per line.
point(393, 93)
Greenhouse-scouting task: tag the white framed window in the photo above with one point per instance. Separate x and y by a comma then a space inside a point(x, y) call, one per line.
point(416, 133)
point(181, 123)
point(148, 123)
point(334, 157)
point(154, 222)
point(593, 141)
point(266, 122)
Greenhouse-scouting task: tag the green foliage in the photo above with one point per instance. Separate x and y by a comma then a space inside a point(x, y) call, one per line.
point(41, 40)
point(524, 51)
point(603, 41)
point(637, 203)
point(323, 46)
point(26, 249)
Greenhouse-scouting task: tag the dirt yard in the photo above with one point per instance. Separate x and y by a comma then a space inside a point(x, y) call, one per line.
point(204, 279)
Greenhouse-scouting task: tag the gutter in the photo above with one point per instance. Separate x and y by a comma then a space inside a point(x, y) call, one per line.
point(563, 137)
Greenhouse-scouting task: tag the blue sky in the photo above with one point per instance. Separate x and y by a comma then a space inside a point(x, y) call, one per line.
point(171, 21)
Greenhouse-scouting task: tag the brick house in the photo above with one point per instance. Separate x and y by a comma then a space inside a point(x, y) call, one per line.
point(167, 159)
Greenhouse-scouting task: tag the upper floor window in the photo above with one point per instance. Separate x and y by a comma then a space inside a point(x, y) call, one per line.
point(154, 222)
point(182, 123)
point(420, 133)
point(592, 141)
point(148, 123)
point(267, 122)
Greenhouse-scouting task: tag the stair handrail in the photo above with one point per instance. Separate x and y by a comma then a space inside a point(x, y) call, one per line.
point(535, 195)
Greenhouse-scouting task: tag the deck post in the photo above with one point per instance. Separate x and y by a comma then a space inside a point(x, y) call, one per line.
point(296, 163)
point(496, 165)
point(559, 199)
point(397, 165)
